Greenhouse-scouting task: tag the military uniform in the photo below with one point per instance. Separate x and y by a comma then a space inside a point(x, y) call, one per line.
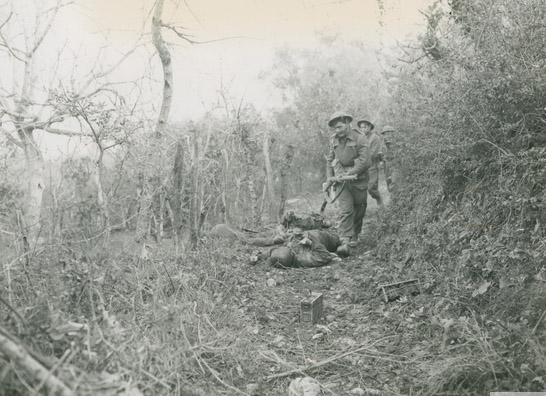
point(388, 156)
point(373, 172)
point(350, 156)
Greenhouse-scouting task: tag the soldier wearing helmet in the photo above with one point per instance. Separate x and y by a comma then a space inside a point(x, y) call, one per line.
point(366, 127)
point(349, 154)
point(388, 155)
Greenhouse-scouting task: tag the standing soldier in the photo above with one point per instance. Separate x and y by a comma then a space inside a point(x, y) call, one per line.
point(388, 155)
point(366, 127)
point(348, 155)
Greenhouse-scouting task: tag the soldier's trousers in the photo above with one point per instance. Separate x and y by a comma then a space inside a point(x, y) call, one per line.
point(373, 184)
point(352, 204)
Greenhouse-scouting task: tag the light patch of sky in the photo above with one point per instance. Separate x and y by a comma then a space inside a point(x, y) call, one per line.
point(86, 28)
point(259, 25)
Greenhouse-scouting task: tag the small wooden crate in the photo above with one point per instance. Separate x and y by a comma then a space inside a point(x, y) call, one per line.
point(393, 291)
point(311, 309)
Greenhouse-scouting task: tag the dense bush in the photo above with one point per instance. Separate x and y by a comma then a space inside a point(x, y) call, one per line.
point(471, 206)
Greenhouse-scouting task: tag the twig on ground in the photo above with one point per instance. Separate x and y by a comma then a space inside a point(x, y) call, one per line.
point(215, 375)
point(328, 361)
point(150, 375)
point(64, 357)
point(32, 367)
point(14, 311)
point(534, 328)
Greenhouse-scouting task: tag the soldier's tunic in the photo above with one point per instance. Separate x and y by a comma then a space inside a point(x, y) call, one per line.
point(373, 172)
point(350, 156)
point(388, 160)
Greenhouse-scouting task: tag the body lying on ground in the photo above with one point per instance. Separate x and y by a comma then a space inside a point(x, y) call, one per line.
point(297, 247)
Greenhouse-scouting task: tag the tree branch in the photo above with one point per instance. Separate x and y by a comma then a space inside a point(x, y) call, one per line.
point(19, 355)
point(5, 42)
point(95, 77)
point(49, 23)
point(187, 38)
point(11, 138)
point(65, 132)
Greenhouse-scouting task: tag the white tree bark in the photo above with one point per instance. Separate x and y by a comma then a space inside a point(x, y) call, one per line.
point(166, 63)
point(165, 57)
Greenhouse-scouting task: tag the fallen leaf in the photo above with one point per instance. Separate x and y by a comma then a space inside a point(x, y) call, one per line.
point(482, 289)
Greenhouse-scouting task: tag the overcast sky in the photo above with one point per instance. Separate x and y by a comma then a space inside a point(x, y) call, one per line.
point(261, 25)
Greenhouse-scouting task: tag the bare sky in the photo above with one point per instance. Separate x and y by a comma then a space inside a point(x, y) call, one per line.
point(199, 70)
point(260, 25)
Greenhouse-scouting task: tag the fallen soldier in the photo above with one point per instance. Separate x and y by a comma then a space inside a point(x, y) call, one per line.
point(290, 224)
point(313, 221)
point(305, 243)
point(223, 231)
point(313, 248)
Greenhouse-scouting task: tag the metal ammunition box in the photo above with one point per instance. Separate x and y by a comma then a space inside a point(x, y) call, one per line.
point(311, 309)
point(394, 291)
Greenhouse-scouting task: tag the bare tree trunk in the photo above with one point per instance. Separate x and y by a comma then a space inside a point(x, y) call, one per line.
point(143, 220)
point(263, 200)
point(194, 195)
point(287, 163)
point(36, 183)
point(269, 173)
point(165, 57)
point(178, 193)
point(102, 199)
point(249, 164)
point(254, 214)
point(173, 225)
point(225, 185)
point(161, 215)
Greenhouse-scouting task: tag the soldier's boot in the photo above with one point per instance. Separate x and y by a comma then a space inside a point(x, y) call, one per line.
point(354, 241)
point(343, 250)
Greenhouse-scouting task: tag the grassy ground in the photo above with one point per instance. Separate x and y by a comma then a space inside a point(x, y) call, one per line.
point(211, 323)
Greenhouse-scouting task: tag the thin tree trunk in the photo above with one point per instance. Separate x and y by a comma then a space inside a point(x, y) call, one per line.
point(36, 183)
point(102, 199)
point(194, 194)
point(249, 164)
point(269, 173)
point(173, 222)
point(178, 193)
point(161, 220)
point(225, 187)
point(165, 57)
point(287, 163)
point(143, 220)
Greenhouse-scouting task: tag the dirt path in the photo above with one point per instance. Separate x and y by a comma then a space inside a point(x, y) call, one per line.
point(362, 345)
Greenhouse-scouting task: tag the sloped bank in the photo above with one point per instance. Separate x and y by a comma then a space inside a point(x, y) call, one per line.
point(472, 230)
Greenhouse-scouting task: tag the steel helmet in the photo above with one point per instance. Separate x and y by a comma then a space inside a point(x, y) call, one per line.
point(365, 119)
point(387, 128)
point(282, 257)
point(339, 115)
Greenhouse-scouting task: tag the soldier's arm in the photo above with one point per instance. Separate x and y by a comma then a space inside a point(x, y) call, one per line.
point(375, 149)
point(329, 159)
point(364, 160)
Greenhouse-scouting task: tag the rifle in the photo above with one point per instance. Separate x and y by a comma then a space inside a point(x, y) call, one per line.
point(332, 190)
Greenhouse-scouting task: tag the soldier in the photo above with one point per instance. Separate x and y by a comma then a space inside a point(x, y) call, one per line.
point(366, 127)
point(348, 155)
point(388, 155)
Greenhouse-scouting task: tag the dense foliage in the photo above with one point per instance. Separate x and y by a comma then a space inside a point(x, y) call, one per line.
point(467, 219)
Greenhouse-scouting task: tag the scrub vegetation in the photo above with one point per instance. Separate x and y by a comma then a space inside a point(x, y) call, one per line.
point(110, 284)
